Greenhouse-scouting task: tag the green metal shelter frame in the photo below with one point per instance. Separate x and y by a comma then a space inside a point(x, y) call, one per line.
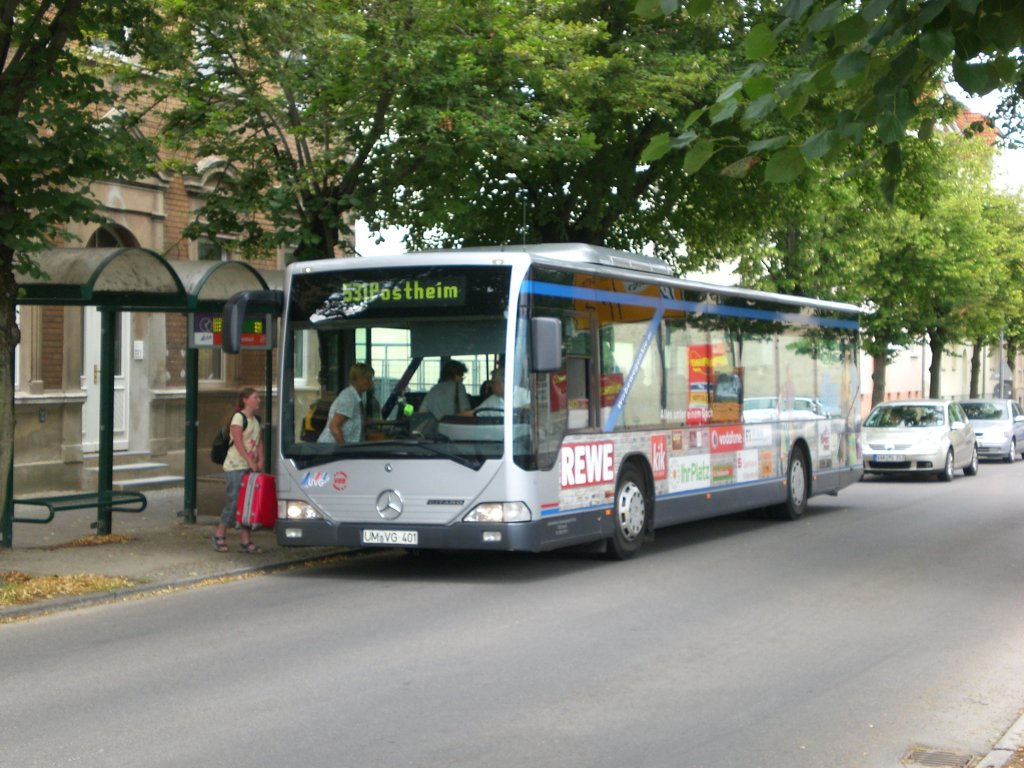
point(137, 280)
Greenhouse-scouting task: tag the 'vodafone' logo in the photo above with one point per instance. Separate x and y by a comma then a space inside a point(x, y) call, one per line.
point(726, 439)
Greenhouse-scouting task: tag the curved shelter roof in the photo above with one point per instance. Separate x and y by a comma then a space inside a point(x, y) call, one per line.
point(135, 279)
point(208, 284)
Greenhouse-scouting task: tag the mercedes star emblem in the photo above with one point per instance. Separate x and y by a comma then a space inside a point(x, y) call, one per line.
point(389, 505)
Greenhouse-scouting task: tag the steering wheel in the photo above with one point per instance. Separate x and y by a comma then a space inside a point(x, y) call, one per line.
point(482, 411)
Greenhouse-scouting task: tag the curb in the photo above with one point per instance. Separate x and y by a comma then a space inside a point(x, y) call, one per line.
point(16, 612)
point(1006, 747)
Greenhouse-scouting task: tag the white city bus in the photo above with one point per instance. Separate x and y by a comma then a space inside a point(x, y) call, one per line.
point(624, 410)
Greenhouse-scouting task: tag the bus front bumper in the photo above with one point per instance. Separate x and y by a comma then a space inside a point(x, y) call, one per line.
point(533, 536)
point(496, 536)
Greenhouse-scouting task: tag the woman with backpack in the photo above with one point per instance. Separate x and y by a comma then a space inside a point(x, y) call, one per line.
point(245, 454)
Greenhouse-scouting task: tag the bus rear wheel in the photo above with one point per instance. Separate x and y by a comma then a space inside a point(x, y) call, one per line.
point(797, 487)
point(631, 510)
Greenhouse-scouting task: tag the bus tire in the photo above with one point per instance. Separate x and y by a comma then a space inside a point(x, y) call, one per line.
point(630, 515)
point(798, 487)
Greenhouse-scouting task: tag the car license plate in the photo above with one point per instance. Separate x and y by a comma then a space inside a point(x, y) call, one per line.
point(891, 457)
point(391, 538)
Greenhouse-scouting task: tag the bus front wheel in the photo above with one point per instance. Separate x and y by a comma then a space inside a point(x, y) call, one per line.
point(631, 510)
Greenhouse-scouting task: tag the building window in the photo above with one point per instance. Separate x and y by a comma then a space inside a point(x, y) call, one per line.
point(211, 250)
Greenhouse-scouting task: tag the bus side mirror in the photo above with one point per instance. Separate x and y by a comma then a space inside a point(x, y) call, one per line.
point(545, 344)
point(233, 319)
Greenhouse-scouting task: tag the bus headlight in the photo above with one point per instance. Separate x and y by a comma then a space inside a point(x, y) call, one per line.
point(498, 512)
point(297, 510)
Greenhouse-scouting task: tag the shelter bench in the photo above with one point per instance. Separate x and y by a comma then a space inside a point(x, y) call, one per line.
point(116, 501)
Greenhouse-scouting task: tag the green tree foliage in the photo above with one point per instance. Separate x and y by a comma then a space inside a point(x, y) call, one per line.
point(935, 263)
point(466, 124)
point(61, 127)
point(875, 66)
point(1003, 212)
point(301, 100)
point(959, 274)
point(581, 166)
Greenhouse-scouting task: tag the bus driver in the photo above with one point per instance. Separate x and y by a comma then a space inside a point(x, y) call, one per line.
point(494, 405)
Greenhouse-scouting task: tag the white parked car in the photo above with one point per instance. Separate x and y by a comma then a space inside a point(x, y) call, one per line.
point(919, 436)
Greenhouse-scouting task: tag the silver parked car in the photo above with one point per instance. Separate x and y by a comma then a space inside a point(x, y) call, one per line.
point(998, 427)
point(919, 436)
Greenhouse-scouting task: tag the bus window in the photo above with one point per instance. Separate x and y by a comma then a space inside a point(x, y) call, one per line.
point(798, 386)
point(681, 405)
point(631, 371)
point(725, 376)
point(760, 379)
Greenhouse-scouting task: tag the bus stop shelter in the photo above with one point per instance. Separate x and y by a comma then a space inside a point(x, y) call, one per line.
point(137, 280)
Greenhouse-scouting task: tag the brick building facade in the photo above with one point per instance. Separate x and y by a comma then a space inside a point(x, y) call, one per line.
point(56, 397)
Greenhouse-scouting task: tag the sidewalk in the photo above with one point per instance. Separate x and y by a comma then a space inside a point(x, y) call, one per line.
point(162, 550)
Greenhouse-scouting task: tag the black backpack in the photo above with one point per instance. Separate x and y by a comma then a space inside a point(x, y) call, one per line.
point(222, 441)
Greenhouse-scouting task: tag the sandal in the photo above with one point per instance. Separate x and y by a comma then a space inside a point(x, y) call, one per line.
point(249, 549)
point(220, 543)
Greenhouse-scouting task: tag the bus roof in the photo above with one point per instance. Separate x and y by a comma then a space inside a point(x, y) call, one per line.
point(583, 254)
point(597, 259)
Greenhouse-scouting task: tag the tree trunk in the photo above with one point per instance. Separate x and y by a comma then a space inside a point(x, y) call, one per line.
point(1011, 360)
point(881, 363)
point(936, 343)
point(975, 367)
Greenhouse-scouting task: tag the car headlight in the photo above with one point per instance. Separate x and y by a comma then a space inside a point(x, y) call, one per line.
point(498, 512)
point(297, 510)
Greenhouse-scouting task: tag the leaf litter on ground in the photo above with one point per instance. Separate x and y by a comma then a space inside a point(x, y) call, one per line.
point(17, 588)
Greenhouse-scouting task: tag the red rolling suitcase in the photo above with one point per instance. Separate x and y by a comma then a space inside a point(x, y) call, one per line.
point(257, 501)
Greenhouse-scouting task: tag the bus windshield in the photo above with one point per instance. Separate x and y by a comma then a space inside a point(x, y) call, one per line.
point(434, 337)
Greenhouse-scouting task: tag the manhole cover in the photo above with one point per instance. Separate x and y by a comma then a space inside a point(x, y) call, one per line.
point(937, 757)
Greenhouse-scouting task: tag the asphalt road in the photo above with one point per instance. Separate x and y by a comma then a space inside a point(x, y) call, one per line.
point(889, 617)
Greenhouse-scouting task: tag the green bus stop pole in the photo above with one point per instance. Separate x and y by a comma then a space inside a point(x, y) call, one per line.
point(191, 431)
point(268, 465)
point(105, 481)
point(7, 513)
point(7, 517)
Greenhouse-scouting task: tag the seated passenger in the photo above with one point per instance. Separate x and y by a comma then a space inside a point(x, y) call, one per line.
point(345, 417)
point(448, 397)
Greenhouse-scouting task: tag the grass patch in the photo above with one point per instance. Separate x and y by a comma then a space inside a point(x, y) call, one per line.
point(18, 588)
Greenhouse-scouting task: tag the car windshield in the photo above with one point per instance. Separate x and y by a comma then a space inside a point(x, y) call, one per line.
point(985, 411)
point(906, 416)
